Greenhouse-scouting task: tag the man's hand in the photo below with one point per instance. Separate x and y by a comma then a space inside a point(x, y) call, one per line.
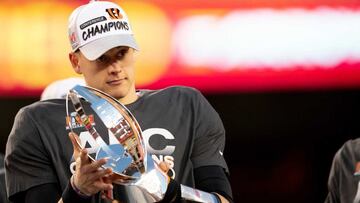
point(89, 176)
point(222, 199)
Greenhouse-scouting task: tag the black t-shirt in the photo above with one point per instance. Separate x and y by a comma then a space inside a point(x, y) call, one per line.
point(179, 126)
point(343, 183)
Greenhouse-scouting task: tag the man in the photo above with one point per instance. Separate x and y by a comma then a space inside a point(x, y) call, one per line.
point(179, 125)
point(344, 178)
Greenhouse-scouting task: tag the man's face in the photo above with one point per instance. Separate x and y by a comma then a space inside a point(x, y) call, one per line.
point(113, 73)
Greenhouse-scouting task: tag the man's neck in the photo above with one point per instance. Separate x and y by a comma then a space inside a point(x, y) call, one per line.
point(130, 98)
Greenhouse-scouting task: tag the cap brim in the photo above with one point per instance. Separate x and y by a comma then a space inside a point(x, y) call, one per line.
point(96, 48)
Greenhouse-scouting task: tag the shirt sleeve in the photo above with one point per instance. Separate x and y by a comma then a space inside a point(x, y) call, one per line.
point(213, 179)
point(333, 193)
point(209, 142)
point(27, 163)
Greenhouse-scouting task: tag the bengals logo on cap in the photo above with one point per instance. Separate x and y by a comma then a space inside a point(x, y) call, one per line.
point(114, 13)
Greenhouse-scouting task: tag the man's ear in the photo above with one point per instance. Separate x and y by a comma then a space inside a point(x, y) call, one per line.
point(74, 59)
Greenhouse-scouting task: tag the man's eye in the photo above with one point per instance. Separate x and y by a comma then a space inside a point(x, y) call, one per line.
point(103, 59)
point(122, 53)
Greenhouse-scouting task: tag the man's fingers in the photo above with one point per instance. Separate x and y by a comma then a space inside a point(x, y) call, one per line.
point(99, 163)
point(101, 173)
point(164, 166)
point(74, 139)
point(75, 142)
point(84, 159)
point(93, 166)
point(103, 186)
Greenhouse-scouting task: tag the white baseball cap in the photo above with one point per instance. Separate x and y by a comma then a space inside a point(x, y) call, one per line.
point(99, 26)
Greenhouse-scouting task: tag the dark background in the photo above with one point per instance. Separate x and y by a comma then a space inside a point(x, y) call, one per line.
point(279, 145)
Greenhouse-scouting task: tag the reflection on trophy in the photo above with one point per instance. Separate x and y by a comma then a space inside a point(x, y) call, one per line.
point(129, 160)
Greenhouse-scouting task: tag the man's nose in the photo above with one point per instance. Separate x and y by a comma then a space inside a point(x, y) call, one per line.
point(115, 67)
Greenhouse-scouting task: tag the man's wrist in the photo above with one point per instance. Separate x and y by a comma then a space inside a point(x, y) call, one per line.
point(69, 195)
point(77, 190)
point(217, 197)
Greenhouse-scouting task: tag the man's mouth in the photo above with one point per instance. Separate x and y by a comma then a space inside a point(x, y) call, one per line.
point(115, 82)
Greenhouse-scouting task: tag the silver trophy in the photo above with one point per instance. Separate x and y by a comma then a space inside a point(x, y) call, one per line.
point(129, 160)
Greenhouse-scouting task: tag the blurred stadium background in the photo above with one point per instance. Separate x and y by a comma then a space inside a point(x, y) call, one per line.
point(284, 76)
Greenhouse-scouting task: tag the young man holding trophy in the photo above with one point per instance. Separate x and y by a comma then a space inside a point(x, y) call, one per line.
point(179, 147)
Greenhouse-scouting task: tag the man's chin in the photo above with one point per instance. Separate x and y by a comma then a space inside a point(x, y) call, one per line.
point(117, 94)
